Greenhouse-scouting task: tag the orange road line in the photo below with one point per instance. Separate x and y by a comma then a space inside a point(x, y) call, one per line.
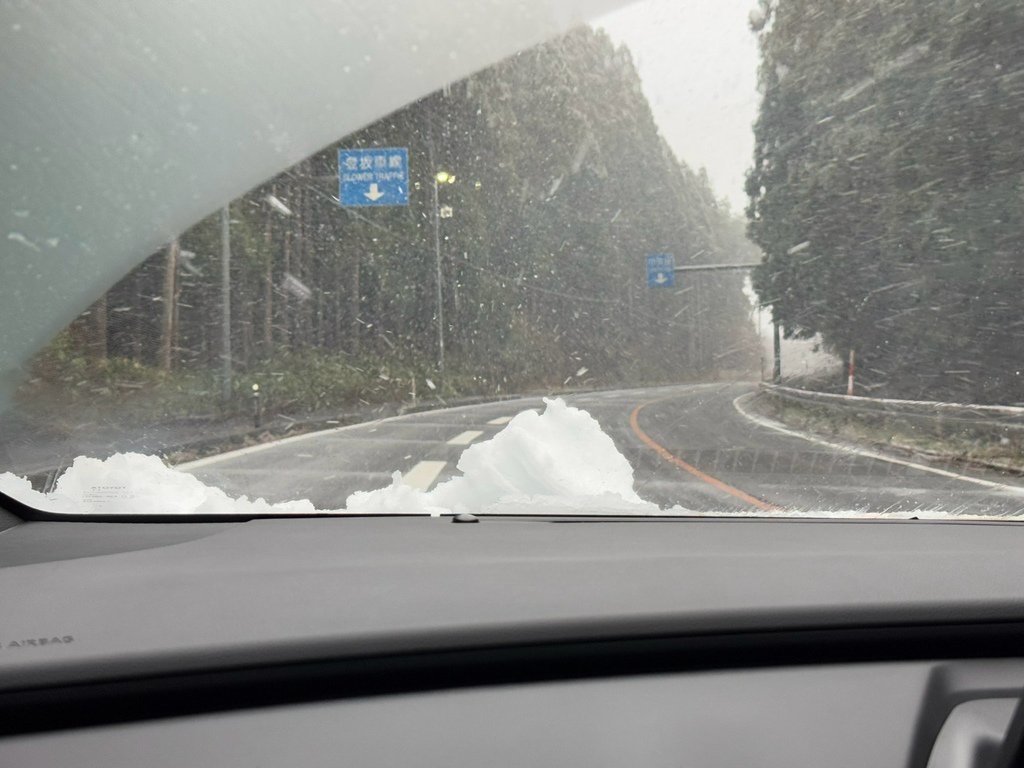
point(662, 451)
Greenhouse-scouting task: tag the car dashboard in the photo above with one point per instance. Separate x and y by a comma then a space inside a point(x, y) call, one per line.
point(518, 640)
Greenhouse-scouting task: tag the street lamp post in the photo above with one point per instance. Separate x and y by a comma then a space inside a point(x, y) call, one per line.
point(441, 177)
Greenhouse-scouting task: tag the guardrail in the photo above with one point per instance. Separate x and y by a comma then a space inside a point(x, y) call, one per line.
point(981, 421)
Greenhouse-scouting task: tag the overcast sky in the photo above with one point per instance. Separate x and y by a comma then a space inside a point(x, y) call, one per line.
point(698, 62)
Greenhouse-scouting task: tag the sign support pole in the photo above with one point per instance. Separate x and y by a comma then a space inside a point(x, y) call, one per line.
point(657, 264)
point(777, 353)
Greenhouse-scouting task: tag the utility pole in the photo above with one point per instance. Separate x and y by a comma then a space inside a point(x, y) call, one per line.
point(225, 301)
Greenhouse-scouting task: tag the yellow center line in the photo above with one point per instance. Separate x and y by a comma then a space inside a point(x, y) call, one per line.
point(665, 453)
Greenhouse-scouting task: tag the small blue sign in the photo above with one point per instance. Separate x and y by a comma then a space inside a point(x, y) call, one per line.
point(661, 270)
point(373, 176)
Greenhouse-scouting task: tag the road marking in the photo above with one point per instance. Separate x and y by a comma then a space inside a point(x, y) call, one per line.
point(501, 420)
point(465, 438)
point(770, 424)
point(423, 474)
point(634, 422)
point(239, 452)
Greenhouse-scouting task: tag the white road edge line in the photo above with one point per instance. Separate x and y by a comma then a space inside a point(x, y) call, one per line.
point(774, 425)
point(501, 420)
point(422, 476)
point(465, 438)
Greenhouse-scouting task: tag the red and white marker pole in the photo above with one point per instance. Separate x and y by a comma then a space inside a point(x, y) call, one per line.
point(849, 380)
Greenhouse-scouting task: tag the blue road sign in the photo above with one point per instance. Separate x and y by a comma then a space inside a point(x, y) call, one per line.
point(661, 270)
point(373, 176)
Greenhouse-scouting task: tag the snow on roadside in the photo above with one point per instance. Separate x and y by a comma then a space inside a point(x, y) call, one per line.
point(560, 459)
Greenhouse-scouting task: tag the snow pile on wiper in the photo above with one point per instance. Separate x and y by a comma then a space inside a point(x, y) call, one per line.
point(131, 483)
point(559, 459)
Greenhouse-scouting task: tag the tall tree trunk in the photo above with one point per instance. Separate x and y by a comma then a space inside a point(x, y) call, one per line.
point(268, 284)
point(245, 320)
point(167, 317)
point(320, 319)
point(99, 319)
point(354, 305)
point(304, 318)
point(176, 350)
point(336, 300)
point(286, 303)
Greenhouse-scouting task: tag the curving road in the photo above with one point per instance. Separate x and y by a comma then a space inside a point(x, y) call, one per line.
point(695, 446)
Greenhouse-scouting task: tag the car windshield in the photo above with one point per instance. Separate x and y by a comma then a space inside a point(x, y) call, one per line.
point(678, 257)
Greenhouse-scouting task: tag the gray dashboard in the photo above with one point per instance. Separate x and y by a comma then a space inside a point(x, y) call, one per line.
point(197, 597)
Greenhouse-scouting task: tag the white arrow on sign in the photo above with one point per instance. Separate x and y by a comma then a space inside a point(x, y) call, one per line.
point(661, 278)
point(374, 193)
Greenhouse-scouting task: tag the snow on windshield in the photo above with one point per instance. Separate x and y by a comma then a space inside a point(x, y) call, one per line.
point(560, 457)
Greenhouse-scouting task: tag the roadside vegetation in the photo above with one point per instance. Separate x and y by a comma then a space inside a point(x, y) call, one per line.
point(887, 189)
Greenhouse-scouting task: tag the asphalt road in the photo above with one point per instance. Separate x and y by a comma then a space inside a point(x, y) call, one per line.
point(689, 445)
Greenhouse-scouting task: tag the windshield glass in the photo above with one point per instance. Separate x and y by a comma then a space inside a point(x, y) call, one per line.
point(757, 257)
